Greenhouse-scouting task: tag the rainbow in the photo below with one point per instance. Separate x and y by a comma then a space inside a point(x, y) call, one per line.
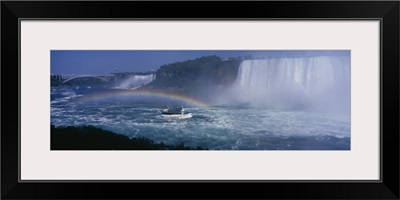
point(160, 94)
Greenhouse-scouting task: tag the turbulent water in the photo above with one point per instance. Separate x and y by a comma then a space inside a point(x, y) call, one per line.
point(239, 127)
point(136, 81)
point(282, 104)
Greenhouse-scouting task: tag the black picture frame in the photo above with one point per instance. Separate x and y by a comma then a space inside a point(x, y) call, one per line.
point(386, 11)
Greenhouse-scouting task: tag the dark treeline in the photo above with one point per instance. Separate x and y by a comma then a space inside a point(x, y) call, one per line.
point(208, 75)
point(92, 138)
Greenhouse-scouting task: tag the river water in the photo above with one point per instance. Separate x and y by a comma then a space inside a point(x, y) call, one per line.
point(228, 127)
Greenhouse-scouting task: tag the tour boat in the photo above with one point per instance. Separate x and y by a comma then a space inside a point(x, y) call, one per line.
point(176, 113)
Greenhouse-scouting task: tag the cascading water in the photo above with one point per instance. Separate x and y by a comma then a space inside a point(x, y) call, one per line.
point(136, 81)
point(296, 83)
point(275, 104)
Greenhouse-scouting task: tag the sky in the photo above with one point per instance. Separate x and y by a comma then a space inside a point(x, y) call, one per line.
point(105, 61)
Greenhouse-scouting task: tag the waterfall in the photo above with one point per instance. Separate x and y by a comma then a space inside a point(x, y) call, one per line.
point(289, 82)
point(136, 81)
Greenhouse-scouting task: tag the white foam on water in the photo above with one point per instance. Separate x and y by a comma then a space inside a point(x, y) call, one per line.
point(136, 81)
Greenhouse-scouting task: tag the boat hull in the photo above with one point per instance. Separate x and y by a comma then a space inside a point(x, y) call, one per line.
point(178, 116)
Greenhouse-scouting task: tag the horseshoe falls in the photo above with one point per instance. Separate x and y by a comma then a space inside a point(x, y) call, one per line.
point(291, 103)
point(305, 83)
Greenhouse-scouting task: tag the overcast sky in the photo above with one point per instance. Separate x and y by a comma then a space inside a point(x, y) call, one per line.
point(104, 61)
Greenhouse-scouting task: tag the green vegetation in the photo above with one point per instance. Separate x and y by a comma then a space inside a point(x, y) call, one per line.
point(92, 138)
point(208, 75)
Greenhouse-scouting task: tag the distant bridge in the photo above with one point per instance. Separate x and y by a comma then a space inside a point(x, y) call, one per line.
point(63, 78)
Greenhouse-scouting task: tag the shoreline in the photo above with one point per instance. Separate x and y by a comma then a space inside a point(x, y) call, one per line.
point(93, 138)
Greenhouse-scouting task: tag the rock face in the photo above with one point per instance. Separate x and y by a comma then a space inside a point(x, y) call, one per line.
point(199, 77)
